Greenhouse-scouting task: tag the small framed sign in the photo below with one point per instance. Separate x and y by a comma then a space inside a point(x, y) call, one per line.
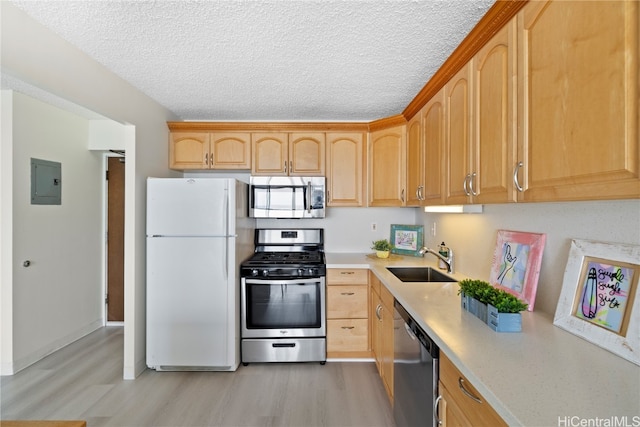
point(406, 239)
point(599, 298)
point(516, 264)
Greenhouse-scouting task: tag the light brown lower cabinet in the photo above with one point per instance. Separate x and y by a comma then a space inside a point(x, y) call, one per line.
point(381, 302)
point(347, 313)
point(459, 403)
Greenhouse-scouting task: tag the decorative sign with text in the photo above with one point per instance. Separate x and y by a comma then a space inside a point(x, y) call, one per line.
point(603, 294)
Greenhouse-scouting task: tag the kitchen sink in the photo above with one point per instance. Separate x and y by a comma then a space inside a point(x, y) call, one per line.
point(419, 274)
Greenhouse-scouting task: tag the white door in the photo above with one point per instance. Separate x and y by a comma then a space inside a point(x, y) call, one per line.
point(187, 302)
point(188, 207)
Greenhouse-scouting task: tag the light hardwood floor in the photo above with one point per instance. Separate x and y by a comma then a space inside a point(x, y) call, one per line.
point(84, 381)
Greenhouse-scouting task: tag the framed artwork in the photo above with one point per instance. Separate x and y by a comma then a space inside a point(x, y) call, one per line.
point(516, 264)
point(406, 239)
point(599, 298)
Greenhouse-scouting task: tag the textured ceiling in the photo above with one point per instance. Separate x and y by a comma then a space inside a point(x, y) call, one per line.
point(268, 60)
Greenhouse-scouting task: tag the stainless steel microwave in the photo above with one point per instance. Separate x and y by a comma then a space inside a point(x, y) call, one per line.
point(286, 197)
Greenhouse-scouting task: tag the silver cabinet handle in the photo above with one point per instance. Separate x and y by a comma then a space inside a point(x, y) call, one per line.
point(308, 196)
point(285, 167)
point(347, 293)
point(378, 308)
point(347, 272)
point(402, 195)
point(515, 177)
point(206, 159)
point(348, 327)
point(418, 192)
point(435, 409)
point(422, 192)
point(467, 392)
point(471, 180)
point(464, 184)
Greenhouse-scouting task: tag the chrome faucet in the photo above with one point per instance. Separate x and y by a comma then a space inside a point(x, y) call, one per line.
point(448, 260)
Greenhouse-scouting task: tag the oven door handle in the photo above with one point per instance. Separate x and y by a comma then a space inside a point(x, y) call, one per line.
point(268, 281)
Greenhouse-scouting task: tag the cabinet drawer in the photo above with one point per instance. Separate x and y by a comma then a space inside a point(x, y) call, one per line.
point(347, 302)
point(347, 276)
point(347, 335)
point(475, 408)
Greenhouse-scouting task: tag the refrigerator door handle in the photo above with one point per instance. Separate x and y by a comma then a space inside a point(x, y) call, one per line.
point(226, 259)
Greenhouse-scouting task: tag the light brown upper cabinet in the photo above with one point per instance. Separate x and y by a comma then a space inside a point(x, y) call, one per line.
point(415, 162)
point(387, 160)
point(458, 137)
point(433, 125)
point(294, 154)
point(494, 136)
point(209, 150)
point(579, 90)
point(480, 131)
point(346, 169)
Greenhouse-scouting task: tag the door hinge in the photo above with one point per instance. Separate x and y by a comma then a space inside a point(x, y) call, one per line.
point(106, 299)
point(106, 175)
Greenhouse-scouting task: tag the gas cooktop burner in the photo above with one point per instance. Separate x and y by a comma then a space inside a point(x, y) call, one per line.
point(286, 253)
point(287, 257)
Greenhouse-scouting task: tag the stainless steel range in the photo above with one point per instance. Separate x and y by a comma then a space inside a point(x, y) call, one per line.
point(283, 297)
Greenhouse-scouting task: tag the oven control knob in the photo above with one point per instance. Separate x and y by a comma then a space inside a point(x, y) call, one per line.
point(254, 272)
point(300, 271)
point(265, 273)
point(311, 271)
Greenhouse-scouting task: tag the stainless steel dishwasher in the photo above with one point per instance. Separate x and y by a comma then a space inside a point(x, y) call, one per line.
point(415, 372)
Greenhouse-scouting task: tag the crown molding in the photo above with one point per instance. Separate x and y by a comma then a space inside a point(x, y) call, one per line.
point(387, 122)
point(494, 20)
point(268, 126)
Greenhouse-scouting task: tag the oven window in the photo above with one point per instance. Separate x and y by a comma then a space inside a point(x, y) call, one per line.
point(280, 306)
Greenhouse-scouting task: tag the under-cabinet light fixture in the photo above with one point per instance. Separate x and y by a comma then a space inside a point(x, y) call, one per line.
point(454, 209)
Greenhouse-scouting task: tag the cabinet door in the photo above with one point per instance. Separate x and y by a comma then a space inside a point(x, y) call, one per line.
point(345, 169)
point(189, 150)
point(387, 314)
point(449, 414)
point(494, 138)
point(458, 127)
point(306, 154)
point(269, 154)
point(415, 162)
point(230, 151)
point(376, 327)
point(579, 84)
point(387, 151)
point(433, 125)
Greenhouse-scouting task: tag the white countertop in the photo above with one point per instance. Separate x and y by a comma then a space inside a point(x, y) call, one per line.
point(542, 376)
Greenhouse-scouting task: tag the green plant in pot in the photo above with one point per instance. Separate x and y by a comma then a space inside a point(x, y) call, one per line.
point(382, 248)
point(487, 294)
point(499, 309)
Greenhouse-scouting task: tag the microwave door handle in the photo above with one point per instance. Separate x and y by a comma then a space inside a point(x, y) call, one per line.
point(309, 196)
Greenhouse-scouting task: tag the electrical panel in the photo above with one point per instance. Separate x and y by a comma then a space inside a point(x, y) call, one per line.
point(46, 182)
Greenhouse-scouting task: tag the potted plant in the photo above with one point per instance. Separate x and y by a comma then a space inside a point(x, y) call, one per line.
point(496, 307)
point(382, 248)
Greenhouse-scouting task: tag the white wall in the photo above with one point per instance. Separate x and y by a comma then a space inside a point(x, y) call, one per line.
point(58, 298)
point(349, 229)
point(473, 236)
point(40, 58)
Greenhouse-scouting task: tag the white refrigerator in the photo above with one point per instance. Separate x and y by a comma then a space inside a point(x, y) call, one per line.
point(198, 233)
